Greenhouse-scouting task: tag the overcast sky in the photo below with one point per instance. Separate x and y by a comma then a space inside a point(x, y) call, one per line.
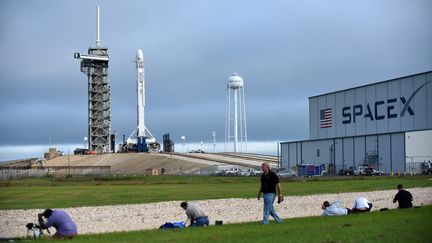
point(285, 50)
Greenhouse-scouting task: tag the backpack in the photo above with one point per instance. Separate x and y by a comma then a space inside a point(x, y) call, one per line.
point(173, 225)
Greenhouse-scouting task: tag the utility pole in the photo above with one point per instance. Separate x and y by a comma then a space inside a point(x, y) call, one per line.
point(68, 163)
point(214, 141)
point(183, 138)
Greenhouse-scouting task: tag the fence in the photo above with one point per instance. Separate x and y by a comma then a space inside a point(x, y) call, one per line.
point(14, 172)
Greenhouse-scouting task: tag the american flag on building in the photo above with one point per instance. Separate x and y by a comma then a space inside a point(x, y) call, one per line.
point(326, 118)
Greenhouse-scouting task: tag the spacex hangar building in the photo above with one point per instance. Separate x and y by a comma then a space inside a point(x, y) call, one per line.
point(366, 125)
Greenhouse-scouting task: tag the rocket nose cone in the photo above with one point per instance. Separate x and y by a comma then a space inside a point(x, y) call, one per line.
point(139, 55)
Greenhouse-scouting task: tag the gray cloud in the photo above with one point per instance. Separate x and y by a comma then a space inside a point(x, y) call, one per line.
point(285, 50)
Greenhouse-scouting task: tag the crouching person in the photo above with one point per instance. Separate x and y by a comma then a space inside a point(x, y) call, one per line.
point(195, 214)
point(61, 221)
point(361, 205)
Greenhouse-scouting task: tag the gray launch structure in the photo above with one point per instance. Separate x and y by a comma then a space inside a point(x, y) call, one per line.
point(95, 66)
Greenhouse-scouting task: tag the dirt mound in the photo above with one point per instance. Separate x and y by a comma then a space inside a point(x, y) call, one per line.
point(129, 163)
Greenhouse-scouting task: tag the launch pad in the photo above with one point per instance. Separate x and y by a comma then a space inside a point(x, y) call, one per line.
point(95, 66)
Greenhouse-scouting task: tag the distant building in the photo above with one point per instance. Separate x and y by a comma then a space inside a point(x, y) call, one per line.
point(52, 153)
point(152, 172)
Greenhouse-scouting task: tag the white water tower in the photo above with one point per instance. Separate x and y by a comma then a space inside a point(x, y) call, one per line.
point(235, 126)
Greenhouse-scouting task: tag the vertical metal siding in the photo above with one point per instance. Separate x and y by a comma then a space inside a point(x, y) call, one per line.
point(419, 105)
point(331, 103)
point(371, 126)
point(285, 155)
point(310, 155)
point(381, 93)
point(338, 155)
point(394, 91)
point(292, 154)
point(340, 103)
point(398, 152)
point(384, 153)
point(360, 124)
point(371, 149)
point(359, 148)
point(350, 101)
point(429, 99)
point(407, 123)
point(313, 118)
point(348, 152)
point(322, 104)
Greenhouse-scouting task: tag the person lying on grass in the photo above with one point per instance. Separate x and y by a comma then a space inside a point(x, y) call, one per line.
point(334, 209)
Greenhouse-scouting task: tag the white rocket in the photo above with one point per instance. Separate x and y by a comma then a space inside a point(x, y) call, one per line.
point(140, 93)
point(141, 130)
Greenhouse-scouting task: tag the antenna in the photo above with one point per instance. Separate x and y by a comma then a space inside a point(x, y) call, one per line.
point(97, 28)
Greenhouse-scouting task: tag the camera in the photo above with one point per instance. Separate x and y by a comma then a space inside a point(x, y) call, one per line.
point(35, 229)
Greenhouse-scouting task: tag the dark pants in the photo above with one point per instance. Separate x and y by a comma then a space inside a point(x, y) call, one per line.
point(355, 210)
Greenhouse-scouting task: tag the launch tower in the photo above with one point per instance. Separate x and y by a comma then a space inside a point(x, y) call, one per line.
point(95, 66)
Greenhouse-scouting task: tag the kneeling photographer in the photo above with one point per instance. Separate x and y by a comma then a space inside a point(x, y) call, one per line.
point(60, 220)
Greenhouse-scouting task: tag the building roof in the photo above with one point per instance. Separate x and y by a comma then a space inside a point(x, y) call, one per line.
point(368, 84)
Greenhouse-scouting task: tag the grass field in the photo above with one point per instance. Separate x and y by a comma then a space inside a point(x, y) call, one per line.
point(83, 191)
point(409, 225)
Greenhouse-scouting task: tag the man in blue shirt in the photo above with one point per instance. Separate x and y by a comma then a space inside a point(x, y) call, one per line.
point(61, 221)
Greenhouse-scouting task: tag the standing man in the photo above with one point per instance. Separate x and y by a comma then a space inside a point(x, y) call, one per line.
point(403, 197)
point(195, 214)
point(61, 221)
point(269, 186)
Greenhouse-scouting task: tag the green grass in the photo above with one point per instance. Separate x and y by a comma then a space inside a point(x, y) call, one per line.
point(84, 191)
point(409, 225)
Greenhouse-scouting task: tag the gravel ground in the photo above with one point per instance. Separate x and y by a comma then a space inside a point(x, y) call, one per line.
point(152, 215)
